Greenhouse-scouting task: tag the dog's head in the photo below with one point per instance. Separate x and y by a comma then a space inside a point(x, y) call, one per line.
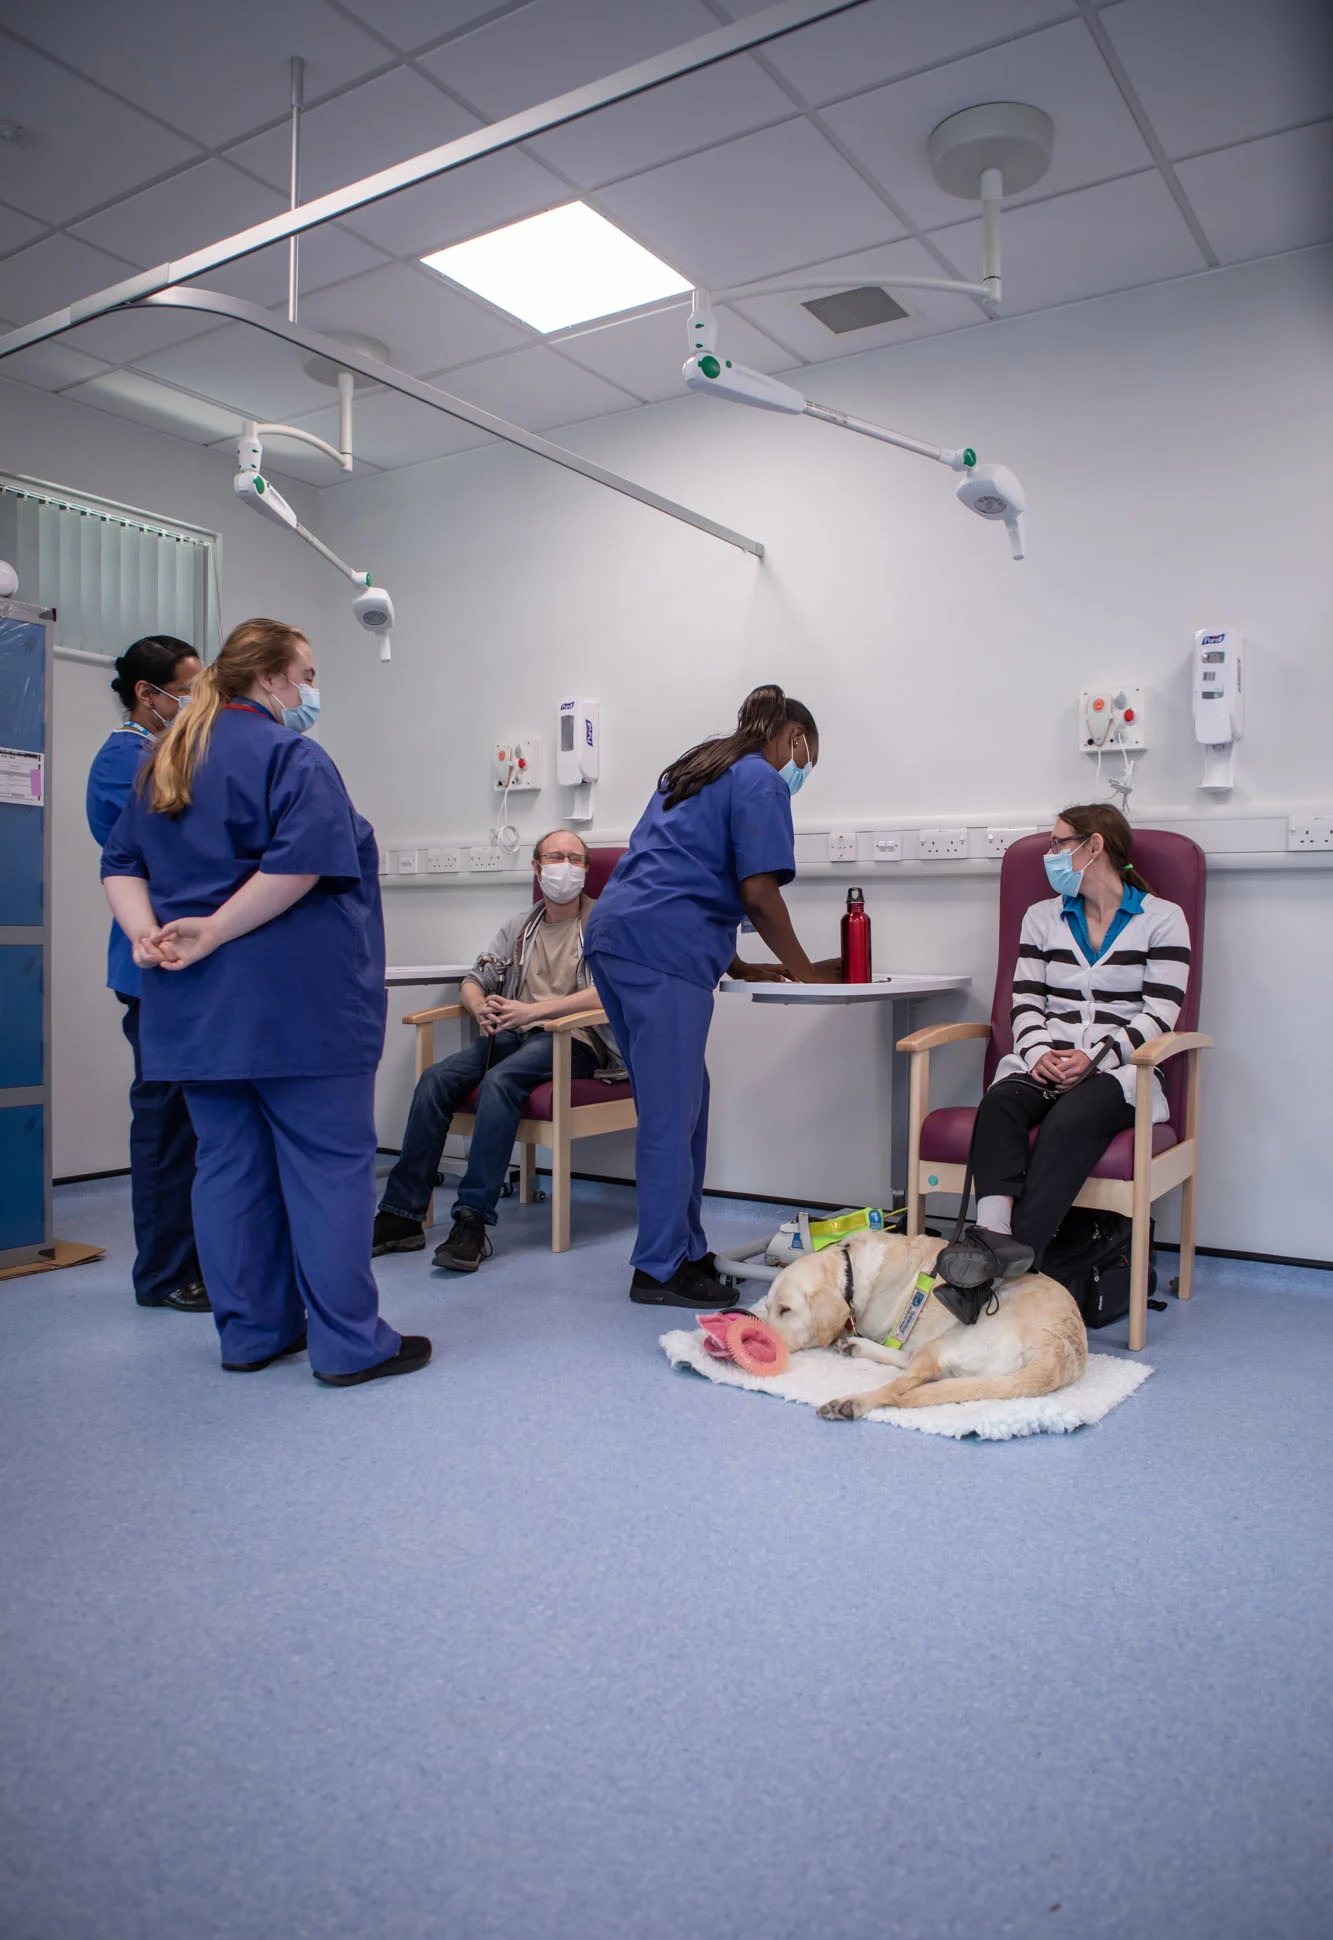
point(807, 1303)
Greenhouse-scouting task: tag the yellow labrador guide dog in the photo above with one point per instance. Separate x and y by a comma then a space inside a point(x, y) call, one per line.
point(1032, 1341)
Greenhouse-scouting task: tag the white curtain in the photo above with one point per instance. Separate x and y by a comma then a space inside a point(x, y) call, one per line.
point(111, 574)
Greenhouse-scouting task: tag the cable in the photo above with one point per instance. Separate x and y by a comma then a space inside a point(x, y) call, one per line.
point(506, 835)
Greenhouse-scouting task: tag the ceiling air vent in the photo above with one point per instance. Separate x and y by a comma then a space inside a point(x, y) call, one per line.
point(855, 309)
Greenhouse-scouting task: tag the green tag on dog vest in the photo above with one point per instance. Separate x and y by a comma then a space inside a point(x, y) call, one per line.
point(911, 1313)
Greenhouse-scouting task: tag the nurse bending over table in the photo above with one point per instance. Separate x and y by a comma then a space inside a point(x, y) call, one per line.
point(248, 886)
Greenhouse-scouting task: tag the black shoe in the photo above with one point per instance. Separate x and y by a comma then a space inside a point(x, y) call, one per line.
point(394, 1234)
point(252, 1367)
point(468, 1243)
point(414, 1353)
point(970, 1268)
point(693, 1284)
point(184, 1300)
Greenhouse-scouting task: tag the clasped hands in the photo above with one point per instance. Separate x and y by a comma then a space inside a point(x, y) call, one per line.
point(494, 1014)
point(1062, 1068)
point(176, 945)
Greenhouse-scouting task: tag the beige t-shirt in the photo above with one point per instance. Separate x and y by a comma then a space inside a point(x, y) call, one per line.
point(553, 967)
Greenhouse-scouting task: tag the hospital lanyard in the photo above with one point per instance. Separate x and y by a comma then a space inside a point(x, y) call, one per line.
point(247, 707)
point(133, 727)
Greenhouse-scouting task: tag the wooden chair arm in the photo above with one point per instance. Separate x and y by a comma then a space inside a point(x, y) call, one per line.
point(580, 1020)
point(1158, 1049)
point(936, 1034)
point(434, 1016)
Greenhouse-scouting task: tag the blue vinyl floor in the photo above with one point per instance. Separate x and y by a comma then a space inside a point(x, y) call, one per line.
point(551, 1643)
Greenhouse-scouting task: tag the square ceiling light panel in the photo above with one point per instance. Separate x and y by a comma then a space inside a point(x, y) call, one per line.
point(565, 267)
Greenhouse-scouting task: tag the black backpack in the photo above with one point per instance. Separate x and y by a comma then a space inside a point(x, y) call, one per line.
point(1090, 1256)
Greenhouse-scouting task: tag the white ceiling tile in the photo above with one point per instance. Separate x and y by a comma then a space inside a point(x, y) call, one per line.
point(53, 273)
point(1059, 70)
point(930, 312)
point(327, 255)
point(51, 366)
point(184, 213)
point(129, 394)
point(412, 23)
point(128, 336)
point(80, 148)
point(536, 388)
point(468, 201)
point(1112, 237)
point(16, 229)
point(216, 71)
point(751, 207)
point(646, 354)
point(426, 324)
point(547, 48)
point(689, 114)
point(369, 128)
point(1266, 195)
point(1211, 72)
point(888, 38)
point(388, 430)
point(256, 375)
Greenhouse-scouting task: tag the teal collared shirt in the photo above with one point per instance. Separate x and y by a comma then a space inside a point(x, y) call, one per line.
point(1131, 902)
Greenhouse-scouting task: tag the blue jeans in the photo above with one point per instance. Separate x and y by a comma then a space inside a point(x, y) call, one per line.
point(508, 1068)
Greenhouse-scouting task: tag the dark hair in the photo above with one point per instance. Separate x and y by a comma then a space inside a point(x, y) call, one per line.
point(763, 713)
point(1101, 818)
point(155, 659)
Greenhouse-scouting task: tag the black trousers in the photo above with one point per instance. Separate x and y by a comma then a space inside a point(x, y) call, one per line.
point(1076, 1128)
point(161, 1179)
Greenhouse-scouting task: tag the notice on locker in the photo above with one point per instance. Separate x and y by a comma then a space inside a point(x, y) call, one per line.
point(22, 778)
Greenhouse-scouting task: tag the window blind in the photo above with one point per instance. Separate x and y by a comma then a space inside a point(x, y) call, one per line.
point(112, 574)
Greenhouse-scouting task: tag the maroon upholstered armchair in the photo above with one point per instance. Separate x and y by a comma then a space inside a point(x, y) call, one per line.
point(556, 1113)
point(1138, 1166)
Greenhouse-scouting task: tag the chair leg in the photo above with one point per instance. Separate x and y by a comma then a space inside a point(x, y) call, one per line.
point(1142, 1215)
point(561, 1075)
point(1188, 1208)
point(527, 1172)
point(918, 1103)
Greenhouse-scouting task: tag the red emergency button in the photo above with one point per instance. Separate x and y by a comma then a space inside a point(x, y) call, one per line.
point(1129, 714)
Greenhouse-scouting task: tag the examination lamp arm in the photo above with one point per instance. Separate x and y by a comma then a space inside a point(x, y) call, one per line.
point(256, 491)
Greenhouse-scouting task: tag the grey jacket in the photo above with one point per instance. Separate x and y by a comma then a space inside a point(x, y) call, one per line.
point(503, 964)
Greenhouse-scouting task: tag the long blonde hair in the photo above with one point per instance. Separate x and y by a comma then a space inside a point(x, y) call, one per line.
point(254, 647)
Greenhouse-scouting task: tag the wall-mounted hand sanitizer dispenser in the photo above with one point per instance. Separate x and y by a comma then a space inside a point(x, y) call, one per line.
point(578, 753)
point(1219, 701)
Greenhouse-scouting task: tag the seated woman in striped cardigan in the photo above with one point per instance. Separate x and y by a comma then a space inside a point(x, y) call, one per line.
point(1101, 967)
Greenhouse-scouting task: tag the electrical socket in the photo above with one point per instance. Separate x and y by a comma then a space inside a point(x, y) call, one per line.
point(888, 846)
point(407, 862)
point(842, 847)
point(441, 862)
point(941, 845)
point(998, 840)
point(388, 862)
point(485, 861)
point(1310, 832)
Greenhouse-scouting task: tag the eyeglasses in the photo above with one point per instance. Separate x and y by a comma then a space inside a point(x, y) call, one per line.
point(575, 856)
point(1058, 842)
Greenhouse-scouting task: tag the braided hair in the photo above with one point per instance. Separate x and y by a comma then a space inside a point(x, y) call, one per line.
point(763, 714)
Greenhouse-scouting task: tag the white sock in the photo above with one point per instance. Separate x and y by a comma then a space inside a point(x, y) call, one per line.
point(995, 1212)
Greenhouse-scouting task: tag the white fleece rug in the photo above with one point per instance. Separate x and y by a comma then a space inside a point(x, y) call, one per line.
point(818, 1375)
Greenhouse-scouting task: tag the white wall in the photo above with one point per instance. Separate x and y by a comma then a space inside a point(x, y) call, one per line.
point(1171, 444)
point(87, 451)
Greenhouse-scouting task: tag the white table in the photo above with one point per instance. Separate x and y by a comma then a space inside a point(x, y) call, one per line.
point(902, 991)
point(399, 974)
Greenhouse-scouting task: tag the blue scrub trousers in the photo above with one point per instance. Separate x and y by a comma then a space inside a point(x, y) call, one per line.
point(161, 1178)
point(284, 1204)
point(661, 1025)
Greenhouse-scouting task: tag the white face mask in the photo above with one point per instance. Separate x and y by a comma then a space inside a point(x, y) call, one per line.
point(562, 881)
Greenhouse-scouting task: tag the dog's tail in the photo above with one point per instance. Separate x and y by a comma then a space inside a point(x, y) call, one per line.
point(1041, 1376)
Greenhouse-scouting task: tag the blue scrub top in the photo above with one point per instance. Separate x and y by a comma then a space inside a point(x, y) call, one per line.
point(674, 901)
point(110, 780)
point(303, 995)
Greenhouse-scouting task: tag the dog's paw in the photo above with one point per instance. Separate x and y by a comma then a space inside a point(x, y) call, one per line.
point(845, 1410)
point(848, 1344)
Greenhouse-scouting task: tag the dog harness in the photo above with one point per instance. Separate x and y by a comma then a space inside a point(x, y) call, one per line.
point(922, 1289)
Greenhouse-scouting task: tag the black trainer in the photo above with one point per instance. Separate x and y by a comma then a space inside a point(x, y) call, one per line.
point(970, 1268)
point(394, 1234)
point(468, 1243)
point(412, 1354)
point(693, 1284)
point(252, 1367)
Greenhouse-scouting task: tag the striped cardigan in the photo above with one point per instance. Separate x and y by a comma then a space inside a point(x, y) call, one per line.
point(1132, 993)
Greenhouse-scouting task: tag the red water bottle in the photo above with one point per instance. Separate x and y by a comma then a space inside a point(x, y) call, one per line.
point(856, 940)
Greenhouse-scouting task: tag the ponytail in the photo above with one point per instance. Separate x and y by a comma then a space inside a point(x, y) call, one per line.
point(763, 714)
point(253, 648)
point(1104, 819)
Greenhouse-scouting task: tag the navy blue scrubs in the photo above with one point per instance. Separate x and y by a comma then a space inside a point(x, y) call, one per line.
point(276, 1038)
point(660, 936)
point(161, 1135)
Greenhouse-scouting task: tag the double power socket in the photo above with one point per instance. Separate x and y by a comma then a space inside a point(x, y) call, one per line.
point(483, 859)
point(932, 845)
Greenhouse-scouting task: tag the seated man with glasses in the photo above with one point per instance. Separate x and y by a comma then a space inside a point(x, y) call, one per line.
point(532, 971)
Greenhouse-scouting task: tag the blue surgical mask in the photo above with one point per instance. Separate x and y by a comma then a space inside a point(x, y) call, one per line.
point(1061, 874)
point(795, 777)
point(303, 718)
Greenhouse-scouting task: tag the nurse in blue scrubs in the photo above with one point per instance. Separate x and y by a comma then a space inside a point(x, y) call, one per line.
point(248, 886)
point(714, 845)
point(152, 678)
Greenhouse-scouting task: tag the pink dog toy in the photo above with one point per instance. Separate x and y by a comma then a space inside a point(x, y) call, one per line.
point(740, 1337)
